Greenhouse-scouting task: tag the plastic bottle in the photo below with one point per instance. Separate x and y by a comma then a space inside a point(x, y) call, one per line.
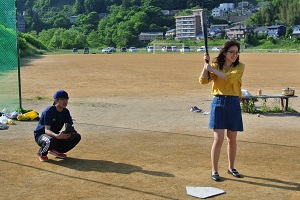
point(3, 119)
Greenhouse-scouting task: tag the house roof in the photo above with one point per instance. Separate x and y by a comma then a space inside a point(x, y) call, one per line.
point(235, 33)
point(152, 33)
point(275, 26)
point(263, 28)
point(171, 31)
point(296, 32)
point(296, 27)
point(240, 27)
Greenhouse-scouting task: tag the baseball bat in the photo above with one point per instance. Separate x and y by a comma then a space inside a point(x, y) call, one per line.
point(204, 30)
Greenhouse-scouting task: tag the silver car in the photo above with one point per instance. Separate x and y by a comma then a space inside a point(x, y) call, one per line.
point(132, 49)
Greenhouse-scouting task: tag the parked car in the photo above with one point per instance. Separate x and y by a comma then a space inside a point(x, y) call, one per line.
point(150, 48)
point(132, 49)
point(202, 48)
point(123, 49)
point(107, 50)
point(86, 50)
point(215, 49)
point(174, 48)
point(113, 49)
point(166, 49)
point(75, 50)
point(185, 49)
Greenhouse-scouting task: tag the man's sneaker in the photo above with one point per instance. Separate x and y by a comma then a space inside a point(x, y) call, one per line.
point(43, 158)
point(57, 154)
point(195, 109)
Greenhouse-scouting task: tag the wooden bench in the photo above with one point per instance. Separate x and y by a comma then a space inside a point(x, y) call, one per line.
point(284, 100)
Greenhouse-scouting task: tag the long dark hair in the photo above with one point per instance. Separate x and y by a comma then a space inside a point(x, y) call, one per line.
point(220, 59)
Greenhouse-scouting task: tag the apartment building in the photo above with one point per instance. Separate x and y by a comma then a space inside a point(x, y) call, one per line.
point(188, 27)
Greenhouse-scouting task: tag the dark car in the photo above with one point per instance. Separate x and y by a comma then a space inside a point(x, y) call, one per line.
point(86, 50)
point(113, 49)
point(75, 50)
point(185, 49)
point(166, 49)
point(123, 49)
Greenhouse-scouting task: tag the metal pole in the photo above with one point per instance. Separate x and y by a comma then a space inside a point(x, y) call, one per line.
point(18, 53)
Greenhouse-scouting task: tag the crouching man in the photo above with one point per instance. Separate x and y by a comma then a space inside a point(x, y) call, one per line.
point(48, 134)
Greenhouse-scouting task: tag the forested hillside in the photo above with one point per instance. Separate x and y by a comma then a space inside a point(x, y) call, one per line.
point(49, 20)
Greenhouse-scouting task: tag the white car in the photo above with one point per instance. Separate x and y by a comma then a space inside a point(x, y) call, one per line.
point(132, 49)
point(150, 49)
point(215, 49)
point(107, 50)
point(202, 48)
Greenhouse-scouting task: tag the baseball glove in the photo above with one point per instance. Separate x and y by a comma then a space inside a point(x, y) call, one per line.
point(69, 129)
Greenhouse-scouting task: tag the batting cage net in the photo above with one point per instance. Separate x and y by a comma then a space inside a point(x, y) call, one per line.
point(9, 62)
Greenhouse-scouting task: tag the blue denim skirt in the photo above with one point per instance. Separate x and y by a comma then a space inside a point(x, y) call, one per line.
point(225, 113)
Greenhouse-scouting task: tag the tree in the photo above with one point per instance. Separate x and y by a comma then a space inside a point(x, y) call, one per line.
point(67, 39)
point(33, 22)
point(251, 39)
point(289, 32)
point(113, 2)
point(126, 4)
point(81, 40)
point(283, 12)
point(124, 35)
point(60, 21)
point(79, 7)
point(139, 21)
point(154, 15)
point(87, 22)
point(94, 6)
point(55, 42)
point(289, 12)
point(93, 39)
point(46, 35)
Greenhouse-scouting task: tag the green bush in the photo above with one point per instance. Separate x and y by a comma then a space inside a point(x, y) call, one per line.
point(22, 43)
point(35, 42)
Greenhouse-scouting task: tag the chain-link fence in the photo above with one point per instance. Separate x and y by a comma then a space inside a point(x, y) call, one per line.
point(9, 62)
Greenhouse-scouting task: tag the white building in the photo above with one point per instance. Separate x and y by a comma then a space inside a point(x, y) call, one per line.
point(73, 19)
point(243, 4)
point(227, 7)
point(222, 9)
point(165, 12)
point(217, 12)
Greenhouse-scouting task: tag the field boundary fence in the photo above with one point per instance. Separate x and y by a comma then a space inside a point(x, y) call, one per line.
point(271, 50)
point(9, 58)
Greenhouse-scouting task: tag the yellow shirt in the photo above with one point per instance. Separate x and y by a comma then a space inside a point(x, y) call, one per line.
point(232, 86)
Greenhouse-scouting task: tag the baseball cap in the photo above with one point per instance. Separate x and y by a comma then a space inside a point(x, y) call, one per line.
point(61, 94)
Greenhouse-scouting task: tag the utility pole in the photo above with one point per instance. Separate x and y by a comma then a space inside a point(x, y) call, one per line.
point(242, 7)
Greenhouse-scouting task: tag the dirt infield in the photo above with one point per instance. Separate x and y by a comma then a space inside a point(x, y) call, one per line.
point(139, 139)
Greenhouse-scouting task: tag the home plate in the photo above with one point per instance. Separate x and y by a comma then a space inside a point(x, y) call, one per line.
point(203, 192)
